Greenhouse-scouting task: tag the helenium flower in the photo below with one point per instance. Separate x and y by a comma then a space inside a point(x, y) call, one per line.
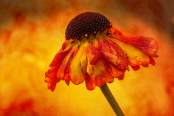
point(96, 52)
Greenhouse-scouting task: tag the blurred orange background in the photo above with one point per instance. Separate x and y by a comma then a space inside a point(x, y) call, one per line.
point(31, 33)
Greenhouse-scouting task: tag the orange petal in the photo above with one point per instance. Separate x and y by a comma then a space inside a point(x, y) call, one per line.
point(107, 74)
point(117, 73)
point(90, 68)
point(75, 71)
point(98, 75)
point(84, 63)
point(90, 52)
point(87, 53)
point(99, 80)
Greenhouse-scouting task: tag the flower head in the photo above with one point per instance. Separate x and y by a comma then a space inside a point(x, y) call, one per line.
point(96, 52)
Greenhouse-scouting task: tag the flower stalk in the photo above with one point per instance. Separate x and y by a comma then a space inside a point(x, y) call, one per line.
point(107, 93)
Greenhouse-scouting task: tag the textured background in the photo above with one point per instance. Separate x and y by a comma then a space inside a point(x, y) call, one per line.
point(32, 31)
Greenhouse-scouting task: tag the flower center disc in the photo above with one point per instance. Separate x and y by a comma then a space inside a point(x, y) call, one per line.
point(86, 23)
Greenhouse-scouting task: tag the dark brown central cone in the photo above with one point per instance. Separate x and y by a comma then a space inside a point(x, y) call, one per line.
point(86, 23)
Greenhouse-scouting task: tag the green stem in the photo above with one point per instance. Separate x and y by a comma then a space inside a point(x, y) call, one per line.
point(111, 100)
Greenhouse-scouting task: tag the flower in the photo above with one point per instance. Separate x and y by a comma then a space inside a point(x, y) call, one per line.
point(96, 52)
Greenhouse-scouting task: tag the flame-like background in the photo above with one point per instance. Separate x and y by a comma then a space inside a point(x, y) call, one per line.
point(31, 33)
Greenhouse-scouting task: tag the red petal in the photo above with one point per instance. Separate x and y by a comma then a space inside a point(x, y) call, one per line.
point(90, 83)
point(134, 56)
point(96, 58)
point(103, 45)
point(50, 75)
point(118, 49)
point(121, 55)
point(50, 78)
point(67, 82)
point(145, 65)
point(146, 44)
point(64, 64)
point(152, 61)
point(52, 86)
point(135, 68)
point(59, 56)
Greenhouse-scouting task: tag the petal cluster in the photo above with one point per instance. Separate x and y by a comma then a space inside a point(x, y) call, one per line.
point(100, 58)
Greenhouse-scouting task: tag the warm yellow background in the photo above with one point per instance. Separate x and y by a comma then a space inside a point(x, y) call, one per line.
point(32, 31)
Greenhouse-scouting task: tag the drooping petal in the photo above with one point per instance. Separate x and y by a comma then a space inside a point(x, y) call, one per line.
point(146, 44)
point(135, 67)
point(91, 53)
point(103, 46)
point(121, 55)
point(114, 60)
point(99, 69)
point(152, 61)
point(90, 82)
point(75, 71)
point(107, 74)
point(109, 53)
point(117, 73)
point(84, 63)
point(102, 73)
point(66, 48)
point(67, 77)
point(64, 64)
point(96, 58)
point(50, 77)
point(67, 44)
point(90, 68)
point(52, 86)
point(66, 74)
point(118, 49)
point(59, 56)
point(134, 55)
